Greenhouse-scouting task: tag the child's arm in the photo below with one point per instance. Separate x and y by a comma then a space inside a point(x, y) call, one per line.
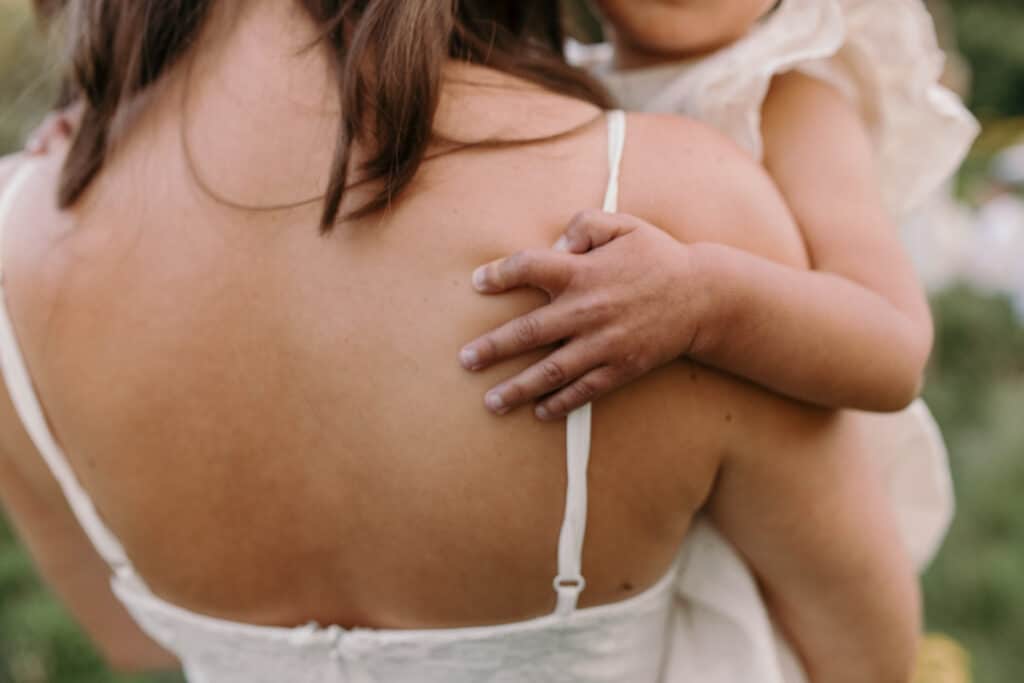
point(854, 332)
point(820, 157)
point(799, 500)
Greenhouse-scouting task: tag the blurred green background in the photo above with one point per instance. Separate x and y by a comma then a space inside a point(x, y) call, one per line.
point(974, 590)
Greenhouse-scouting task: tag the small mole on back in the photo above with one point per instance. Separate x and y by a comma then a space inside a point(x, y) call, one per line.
point(728, 417)
point(627, 586)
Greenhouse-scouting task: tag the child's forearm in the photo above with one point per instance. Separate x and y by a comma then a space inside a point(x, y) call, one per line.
point(809, 335)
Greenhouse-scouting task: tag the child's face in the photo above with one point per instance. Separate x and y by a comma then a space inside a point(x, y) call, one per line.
point(682, 27)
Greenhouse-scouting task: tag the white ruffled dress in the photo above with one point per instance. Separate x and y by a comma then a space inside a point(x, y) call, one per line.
point(884, 56)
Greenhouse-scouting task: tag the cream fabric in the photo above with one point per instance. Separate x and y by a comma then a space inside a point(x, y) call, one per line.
point(883, 54)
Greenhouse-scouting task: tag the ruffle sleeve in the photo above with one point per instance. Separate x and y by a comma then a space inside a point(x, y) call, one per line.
point(882, 54)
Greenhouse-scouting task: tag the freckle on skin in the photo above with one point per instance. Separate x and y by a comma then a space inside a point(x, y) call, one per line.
point(693, 375)
point(728, 417)
point(627, 586)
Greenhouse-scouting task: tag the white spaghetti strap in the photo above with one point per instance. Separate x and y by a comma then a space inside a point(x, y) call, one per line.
point(616, 146)
point(26, 403)
point(570, 582)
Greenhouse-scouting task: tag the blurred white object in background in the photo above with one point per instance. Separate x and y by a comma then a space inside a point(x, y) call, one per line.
point(1008, 166)
point(984, 247)
point(940, 239)
point(998, 254)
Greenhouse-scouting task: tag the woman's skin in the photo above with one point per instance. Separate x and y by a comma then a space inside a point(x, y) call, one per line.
point(850, 329)
point(271, 423)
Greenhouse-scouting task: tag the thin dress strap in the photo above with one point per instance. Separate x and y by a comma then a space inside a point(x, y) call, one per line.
point(26, 404)
point(570, 582)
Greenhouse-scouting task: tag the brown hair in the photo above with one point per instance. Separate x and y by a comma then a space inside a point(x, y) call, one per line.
point(119, 48)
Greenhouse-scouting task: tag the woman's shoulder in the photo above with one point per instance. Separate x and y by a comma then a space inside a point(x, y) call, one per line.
point(674, 155)
point(699, 185)
point(674, 134)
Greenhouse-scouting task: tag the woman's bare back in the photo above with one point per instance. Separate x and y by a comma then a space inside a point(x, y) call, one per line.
point(274, 423)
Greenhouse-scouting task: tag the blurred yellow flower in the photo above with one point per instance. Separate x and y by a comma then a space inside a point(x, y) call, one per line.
point(942, 660)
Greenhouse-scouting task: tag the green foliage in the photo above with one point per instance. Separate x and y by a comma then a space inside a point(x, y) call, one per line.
point(26, 84)
point(974, 590)
point(581, 21)
point(990, 36)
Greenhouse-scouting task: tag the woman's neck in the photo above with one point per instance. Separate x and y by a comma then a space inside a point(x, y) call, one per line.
point(266, 54)
point(260, 105)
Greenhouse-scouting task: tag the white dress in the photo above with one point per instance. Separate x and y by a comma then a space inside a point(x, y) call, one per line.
point(884, 56)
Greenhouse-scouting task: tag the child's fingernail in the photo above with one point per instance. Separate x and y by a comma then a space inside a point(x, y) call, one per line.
point(469, 358)
point(34, 146)
point(542, 413)
point(496, 403)
point(480, 278)
point(562, 244)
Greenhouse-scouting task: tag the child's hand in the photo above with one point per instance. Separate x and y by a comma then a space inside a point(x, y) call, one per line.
point(625, 300)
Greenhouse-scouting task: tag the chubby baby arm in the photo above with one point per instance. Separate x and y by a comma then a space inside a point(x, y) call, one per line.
point(724, 279)
point(820, 156)
point(798, 497)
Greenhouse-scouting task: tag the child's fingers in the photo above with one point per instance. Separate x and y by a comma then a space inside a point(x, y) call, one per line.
point(593, 228)
point(539, 268)
point(587, 388)
point(56, 126)
point(538, 328)
point(554, 372)
point(34, 146)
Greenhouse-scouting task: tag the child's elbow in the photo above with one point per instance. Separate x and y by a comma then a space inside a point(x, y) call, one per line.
point(893, 393)
point(904, 392)
point(903, 386)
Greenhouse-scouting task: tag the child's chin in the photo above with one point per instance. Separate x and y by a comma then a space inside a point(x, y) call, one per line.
point(662, 50)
